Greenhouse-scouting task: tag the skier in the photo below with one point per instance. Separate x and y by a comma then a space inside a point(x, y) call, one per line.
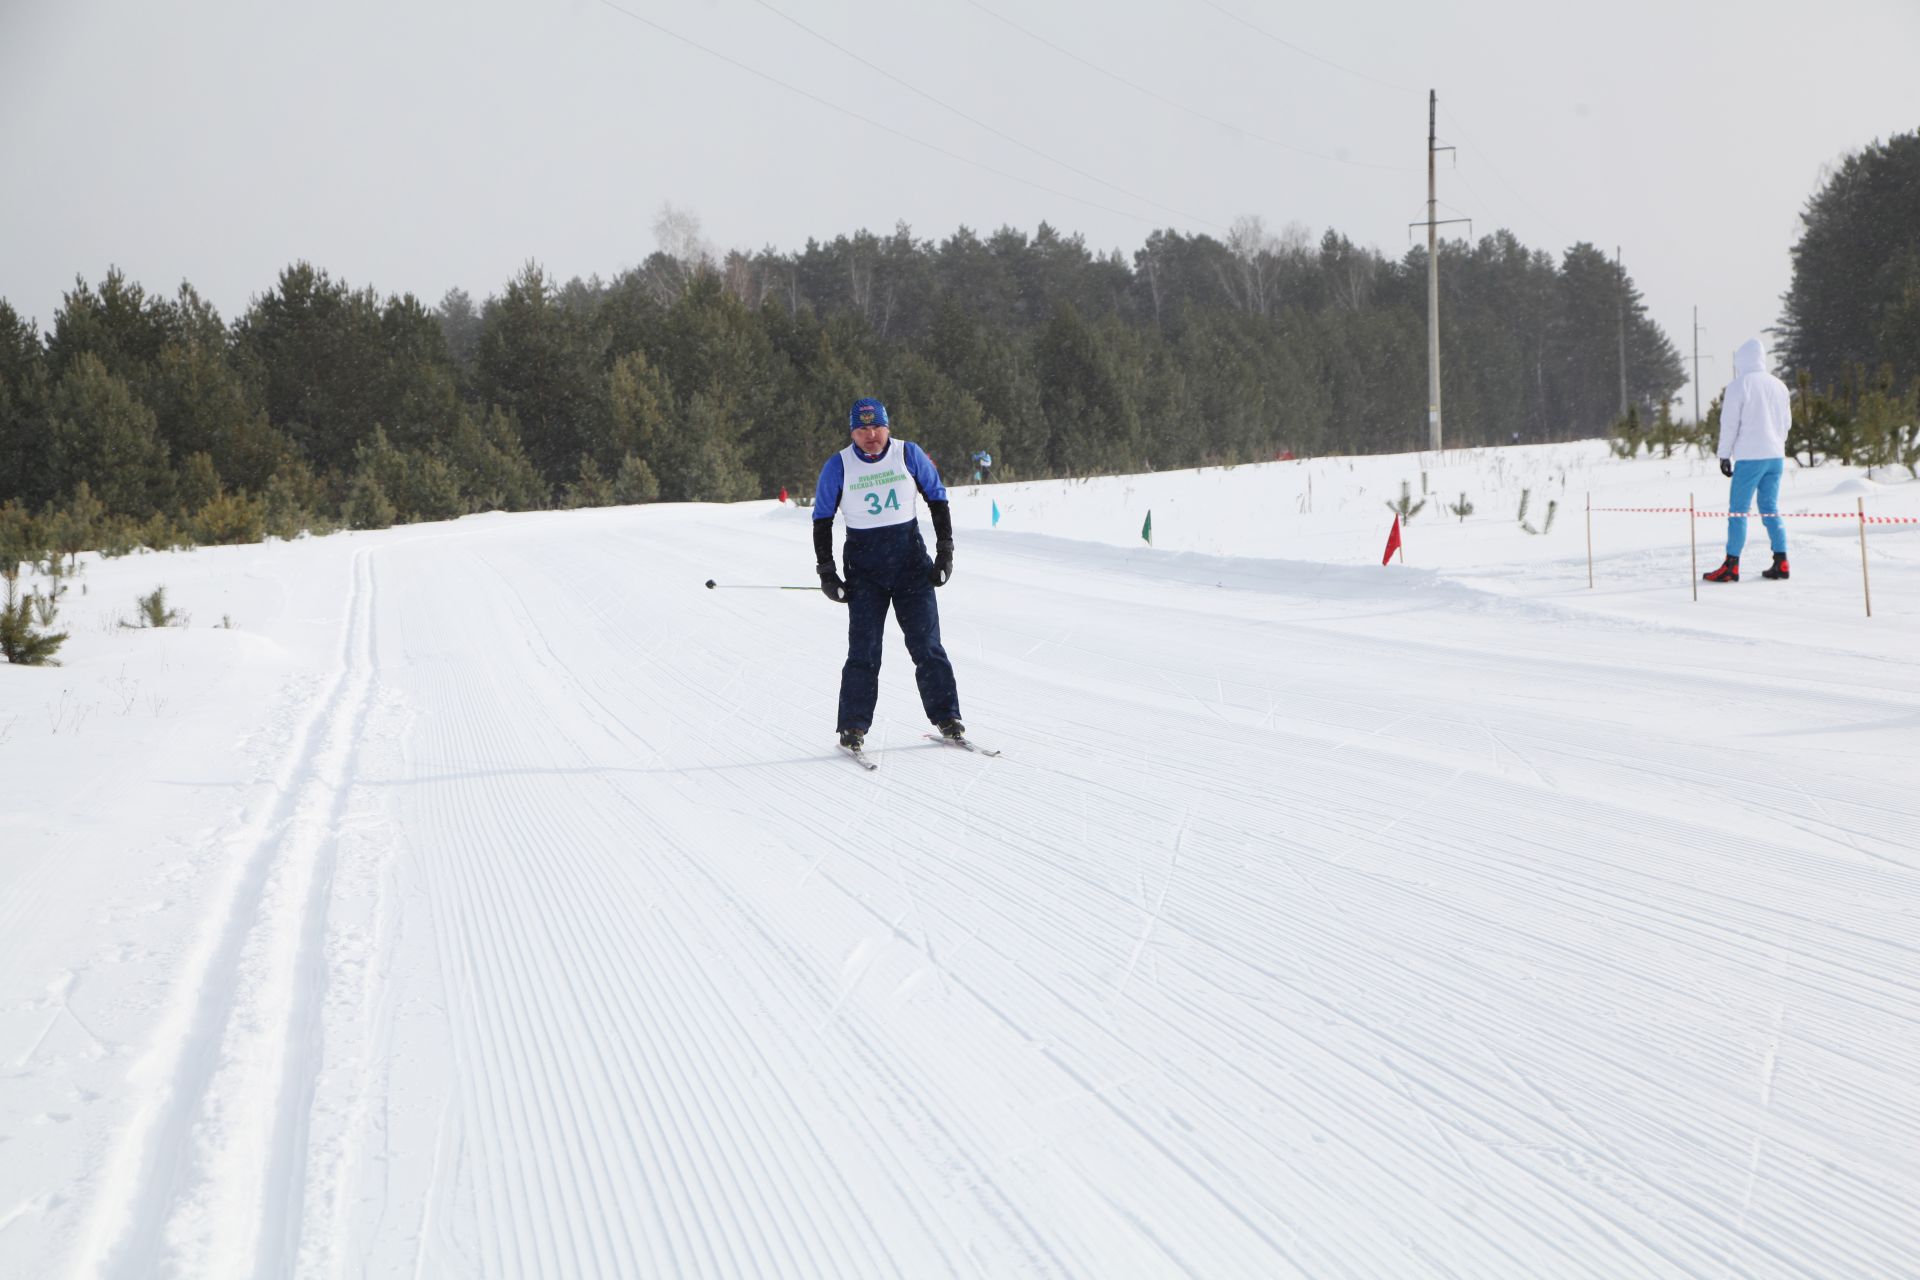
point(879, 482)
point(983, 466)
point(1754, 418)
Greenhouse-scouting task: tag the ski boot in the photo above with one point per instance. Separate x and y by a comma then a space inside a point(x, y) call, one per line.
point(1779, 571)
point(952, 728)
point(1727, 572)
point(853, 739)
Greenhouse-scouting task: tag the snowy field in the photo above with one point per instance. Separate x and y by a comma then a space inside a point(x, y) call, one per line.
point(487, 898)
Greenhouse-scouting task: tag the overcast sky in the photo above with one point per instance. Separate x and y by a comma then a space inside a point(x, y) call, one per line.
point(416, 145)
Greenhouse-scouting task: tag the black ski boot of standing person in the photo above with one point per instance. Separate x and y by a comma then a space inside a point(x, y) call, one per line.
point(1727, 572)
point(1779, 571)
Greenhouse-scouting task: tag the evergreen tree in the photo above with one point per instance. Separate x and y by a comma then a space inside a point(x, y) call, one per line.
point(195, 483)
point(640, 409)
point(311, 349)
point(1090, 421)
point(590, 488)
point(1855, 295)
point(493, 469)
point(120, 325)
point(541, 363)
point(25, 473)
point(292, 497)
point(99, 433)
point(199, 402)
point(460, 326)
point(704, 460)
point(635, 482)
point(368, 506)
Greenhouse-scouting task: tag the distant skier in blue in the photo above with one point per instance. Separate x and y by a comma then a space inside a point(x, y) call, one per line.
point(876, 483)
point(983, 466)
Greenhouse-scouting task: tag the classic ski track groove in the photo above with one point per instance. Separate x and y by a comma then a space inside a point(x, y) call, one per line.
point(209, 1177)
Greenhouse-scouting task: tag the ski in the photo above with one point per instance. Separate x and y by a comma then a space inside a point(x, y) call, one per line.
point(963, 744)
point(860, 758)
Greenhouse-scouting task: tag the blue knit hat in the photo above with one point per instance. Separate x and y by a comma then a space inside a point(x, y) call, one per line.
point(866, 412)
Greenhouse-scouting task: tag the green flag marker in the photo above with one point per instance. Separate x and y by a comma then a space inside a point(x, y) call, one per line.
point(1146, 530)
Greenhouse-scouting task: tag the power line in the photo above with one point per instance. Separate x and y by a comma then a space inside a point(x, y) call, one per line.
point(1479, 199)
point(1491, 168)
point(1307, 53)
point(1181, 106)
point(913, 88)
point(1372, 79)
point(868, 120)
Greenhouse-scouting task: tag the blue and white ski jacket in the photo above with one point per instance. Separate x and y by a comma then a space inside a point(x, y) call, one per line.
point(878, 497)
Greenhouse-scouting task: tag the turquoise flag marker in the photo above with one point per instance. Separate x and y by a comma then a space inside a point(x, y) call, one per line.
point(1146, 530)
point(996, 514)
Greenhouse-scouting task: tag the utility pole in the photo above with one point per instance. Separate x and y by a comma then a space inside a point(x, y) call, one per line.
point(1620, 277)
point(1433, 288)
point(1697, 357)
point(1433, 279)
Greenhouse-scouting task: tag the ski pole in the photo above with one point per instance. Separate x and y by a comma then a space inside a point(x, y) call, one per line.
point(752, 586)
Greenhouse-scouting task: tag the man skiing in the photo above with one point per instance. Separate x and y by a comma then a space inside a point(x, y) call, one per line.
point(876, 482)
point(1755, 416)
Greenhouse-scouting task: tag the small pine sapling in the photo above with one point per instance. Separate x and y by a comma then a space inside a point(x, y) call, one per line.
point(1406, 508)
point(154, 611)
point(1906, 449)
point(1526, 496)
point(1462, 508)
point(1625, 438)
point(20, 643)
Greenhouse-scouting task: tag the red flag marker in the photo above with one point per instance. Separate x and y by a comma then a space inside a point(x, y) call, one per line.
point(783, 493)
point(1393, 543)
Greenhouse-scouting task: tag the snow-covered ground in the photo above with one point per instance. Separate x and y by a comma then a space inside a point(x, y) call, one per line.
point(487, 898)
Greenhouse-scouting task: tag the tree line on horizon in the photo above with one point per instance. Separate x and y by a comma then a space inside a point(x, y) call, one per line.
point(146, 419)
point(697, 378)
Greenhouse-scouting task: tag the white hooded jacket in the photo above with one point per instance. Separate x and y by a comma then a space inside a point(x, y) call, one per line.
point(1757, 411)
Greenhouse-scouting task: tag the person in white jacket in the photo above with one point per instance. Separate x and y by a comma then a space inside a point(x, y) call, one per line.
point(1754, 418)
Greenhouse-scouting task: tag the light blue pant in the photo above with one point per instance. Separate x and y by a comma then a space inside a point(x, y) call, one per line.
point(1762, 475)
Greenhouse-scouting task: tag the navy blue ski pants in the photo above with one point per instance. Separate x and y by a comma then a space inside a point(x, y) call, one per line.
point(913, 604)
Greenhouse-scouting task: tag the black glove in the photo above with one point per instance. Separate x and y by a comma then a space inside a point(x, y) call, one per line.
point(942, 563)
point(830, 585)
point(1726, 466)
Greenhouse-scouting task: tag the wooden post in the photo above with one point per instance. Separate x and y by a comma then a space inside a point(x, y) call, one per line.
point(1693, 538)
point(1589, 539)
point(1865, 589)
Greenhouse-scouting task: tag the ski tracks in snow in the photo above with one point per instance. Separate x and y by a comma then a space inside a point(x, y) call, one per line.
point(1465, 989)
point(211, 1176)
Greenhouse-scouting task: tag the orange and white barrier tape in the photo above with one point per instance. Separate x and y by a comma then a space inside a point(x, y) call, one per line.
point(1756, 515)
point(1858, 515)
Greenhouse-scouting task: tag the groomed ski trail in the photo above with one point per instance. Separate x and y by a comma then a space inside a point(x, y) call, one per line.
point(1315, 923)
